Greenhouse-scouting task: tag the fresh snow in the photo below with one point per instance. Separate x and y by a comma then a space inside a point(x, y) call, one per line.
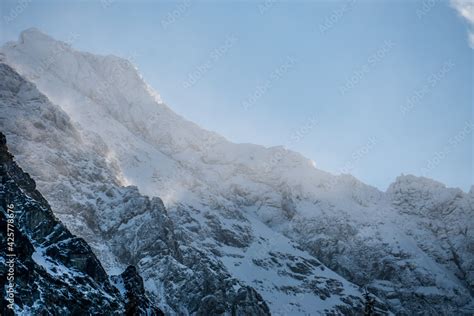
point(275, 198)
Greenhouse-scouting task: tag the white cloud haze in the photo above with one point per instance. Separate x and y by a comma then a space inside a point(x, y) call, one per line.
point(465, 8)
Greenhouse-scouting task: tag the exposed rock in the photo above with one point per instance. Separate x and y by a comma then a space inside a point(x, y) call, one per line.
point(54, 270)
point(133, 292)
point(228, 206)
point(122, 226)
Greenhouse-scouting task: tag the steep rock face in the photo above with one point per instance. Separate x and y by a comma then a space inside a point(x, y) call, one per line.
point(213, 260)
point(51, 270)
point(441, 215)
point(266, 214)
point(122, 226)
point(131, 287)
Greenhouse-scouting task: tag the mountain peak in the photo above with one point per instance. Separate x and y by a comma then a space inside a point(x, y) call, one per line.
point(33, 32)
point(261, 215)
point(35, 37)
point(420, 183)
point(410, 179)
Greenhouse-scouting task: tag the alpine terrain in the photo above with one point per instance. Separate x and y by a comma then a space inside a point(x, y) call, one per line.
point(53, 272)
point(215, 227)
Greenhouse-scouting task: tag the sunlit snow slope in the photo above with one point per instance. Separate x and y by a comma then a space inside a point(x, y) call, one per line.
point(267, 214)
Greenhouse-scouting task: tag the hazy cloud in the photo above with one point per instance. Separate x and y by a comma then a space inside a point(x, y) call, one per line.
point(465, 8)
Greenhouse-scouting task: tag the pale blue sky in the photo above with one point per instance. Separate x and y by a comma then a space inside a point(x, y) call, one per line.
point(367, 87)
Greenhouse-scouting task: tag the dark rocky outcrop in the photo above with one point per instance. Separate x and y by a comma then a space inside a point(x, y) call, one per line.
point(53, 272)
point(131, 286)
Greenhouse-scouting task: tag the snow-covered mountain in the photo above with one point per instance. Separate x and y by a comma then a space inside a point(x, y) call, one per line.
point(122, 226)
point(240, 215)
point(46, 270)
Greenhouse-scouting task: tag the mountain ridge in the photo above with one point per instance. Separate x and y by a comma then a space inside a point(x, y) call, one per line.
point(34, 32)
point(219, 195)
